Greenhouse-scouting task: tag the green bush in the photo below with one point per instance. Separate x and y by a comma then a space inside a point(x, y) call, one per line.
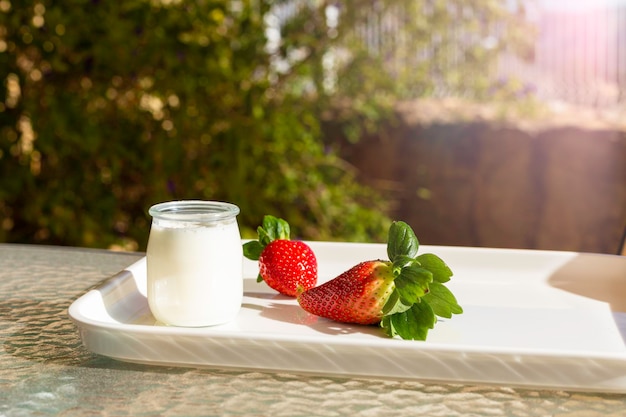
point(108, 107)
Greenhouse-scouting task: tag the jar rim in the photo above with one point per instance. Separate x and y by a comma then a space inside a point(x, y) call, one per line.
point(200, 210)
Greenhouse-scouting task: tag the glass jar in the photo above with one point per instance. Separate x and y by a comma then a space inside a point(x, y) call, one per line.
point(194, 263)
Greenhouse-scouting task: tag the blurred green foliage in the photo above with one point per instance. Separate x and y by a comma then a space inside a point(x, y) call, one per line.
point(108, 107)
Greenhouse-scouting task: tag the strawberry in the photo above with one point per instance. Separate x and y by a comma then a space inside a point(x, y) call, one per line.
point(356, 296)
point(403, 295)
point(285, 265)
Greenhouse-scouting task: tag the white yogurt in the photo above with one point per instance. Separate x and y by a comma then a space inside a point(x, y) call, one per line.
point(194, 267)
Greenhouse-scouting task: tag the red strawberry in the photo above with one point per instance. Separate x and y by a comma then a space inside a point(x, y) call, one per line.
point(356, 296)
point(404, 295)
point(285, 265)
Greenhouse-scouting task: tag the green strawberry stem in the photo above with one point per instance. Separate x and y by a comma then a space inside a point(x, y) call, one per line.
point(419, 295)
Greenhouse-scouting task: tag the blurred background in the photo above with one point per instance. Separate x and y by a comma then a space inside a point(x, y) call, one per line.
point(496, 123)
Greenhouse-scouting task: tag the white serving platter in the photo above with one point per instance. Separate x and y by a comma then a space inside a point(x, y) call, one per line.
point(540, 319)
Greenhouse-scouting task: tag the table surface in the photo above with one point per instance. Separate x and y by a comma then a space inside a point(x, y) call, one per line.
point(45, 370)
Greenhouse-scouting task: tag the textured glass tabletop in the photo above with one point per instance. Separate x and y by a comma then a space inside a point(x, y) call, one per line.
point(45, 370)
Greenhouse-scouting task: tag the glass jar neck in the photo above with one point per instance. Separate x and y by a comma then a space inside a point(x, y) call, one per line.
point(196, 211)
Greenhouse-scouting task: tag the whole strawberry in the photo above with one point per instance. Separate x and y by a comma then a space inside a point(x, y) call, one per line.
point(356, 296)
point(285, 265)
point(404, 295)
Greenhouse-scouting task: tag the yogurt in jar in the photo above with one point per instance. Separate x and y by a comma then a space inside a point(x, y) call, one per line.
point(194, 263)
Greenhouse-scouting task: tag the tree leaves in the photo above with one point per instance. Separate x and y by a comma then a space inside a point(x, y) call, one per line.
point(186, 95)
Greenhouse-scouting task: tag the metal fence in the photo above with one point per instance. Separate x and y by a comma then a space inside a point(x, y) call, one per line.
point(579, 56)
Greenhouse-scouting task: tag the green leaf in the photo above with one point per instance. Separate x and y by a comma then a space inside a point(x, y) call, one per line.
point(441, 271)
point(403, 260)
point(401, 241)
point(412, 324)
point(442, 301)
point(252, 250)
point(394, 304)
point(264, 237)
point(412, 283)
point(275, 228)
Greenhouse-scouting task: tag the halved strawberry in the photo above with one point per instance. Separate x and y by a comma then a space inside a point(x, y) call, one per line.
point(285, 265)
point(404, 294)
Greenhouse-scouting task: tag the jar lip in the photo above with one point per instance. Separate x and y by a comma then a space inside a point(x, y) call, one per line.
point(194, 210)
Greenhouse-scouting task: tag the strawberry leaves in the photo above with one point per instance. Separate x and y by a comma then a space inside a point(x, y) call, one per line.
point(412, 283)
point(442, 301)
point(412, 324)
point(401, 242)
point(441, 272)
point(419, 295)
point(271, 229)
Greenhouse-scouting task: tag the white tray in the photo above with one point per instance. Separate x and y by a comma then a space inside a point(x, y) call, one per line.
point(538, 319)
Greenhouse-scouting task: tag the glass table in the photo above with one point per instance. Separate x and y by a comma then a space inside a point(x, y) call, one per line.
point(45, 370)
